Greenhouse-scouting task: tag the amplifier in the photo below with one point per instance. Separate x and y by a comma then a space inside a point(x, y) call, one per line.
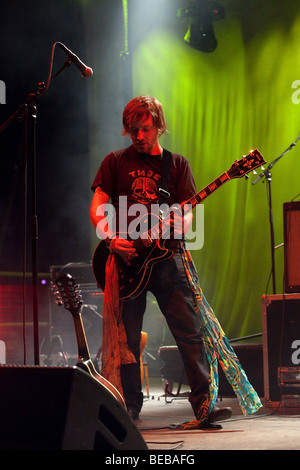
point(291, 220)
point(281, 349)
point(81, 271)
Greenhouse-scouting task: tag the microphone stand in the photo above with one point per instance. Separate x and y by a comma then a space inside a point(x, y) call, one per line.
point(268, 176)
point(29, 108)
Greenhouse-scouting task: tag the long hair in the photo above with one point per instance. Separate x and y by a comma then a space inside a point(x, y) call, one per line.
point(139, 109)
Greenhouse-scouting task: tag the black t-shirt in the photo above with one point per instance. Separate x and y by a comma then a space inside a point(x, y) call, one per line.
point(136, 178)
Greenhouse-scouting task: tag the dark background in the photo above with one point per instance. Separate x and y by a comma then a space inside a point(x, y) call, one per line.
point(28, 31)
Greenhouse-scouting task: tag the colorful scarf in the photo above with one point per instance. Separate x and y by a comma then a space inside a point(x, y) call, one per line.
point(115, 350)
point(218, 348)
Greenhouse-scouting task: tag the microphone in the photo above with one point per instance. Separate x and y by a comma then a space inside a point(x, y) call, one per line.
point(86, 72)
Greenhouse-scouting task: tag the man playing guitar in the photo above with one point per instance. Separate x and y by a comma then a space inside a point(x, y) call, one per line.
point(127, 181)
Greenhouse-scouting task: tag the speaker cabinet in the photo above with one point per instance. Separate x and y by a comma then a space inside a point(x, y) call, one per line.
point(250, 356)
point(281, 349)
point(61, 408)
point(291, 219)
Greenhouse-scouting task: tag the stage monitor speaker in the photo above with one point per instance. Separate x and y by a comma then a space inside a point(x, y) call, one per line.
point(61, 408)
point(291, 219)
point(281, 349)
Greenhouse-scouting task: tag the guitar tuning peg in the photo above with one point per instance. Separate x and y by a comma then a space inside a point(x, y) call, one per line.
point(247, 177)
point(254, 172)
point(262, 168)
point(58, 301)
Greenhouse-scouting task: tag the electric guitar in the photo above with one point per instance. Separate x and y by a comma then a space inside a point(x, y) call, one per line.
point(68, 295)
point(150, 246)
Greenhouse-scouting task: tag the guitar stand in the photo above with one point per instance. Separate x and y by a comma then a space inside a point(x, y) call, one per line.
point(176, 396)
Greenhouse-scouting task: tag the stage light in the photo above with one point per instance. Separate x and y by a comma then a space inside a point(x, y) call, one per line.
point(200, 35)
point(200, 15)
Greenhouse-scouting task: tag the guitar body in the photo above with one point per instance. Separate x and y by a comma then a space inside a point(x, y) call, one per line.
point(133, 278)
point(89, 367)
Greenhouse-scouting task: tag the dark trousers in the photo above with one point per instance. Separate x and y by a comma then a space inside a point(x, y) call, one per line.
point(170, 286)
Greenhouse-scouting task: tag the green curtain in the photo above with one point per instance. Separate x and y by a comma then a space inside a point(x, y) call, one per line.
point(219, 106)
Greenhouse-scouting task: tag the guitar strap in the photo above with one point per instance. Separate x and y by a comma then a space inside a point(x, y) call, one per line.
point(164, 189)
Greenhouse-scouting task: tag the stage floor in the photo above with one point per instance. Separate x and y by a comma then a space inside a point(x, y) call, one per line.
point(268, 429)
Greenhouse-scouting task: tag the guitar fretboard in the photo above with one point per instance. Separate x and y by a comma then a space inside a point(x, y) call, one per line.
point(163, 226)
point(204, 193)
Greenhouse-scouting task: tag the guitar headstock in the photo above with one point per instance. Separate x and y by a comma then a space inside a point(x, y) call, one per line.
point(68, 294)
point(246, 164)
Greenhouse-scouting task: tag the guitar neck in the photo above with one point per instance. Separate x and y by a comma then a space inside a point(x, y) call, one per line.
point(163, 227)
point(237, 170)
point(208, 190)
point(83, 350)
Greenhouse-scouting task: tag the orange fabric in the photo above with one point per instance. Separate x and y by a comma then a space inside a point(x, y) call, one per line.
point(115, 350)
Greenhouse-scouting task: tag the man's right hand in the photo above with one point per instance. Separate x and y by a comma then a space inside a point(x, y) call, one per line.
point(123, 248)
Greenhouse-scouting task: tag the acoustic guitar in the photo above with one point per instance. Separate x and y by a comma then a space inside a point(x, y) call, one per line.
point(68, 295)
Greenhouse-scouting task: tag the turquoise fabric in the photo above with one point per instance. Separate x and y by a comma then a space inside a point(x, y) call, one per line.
point(218, 347)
